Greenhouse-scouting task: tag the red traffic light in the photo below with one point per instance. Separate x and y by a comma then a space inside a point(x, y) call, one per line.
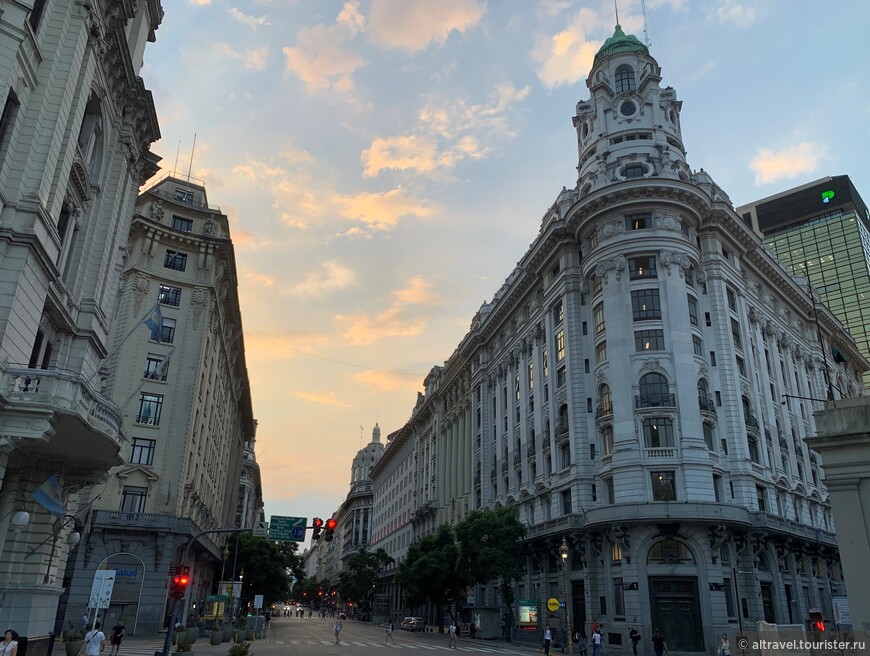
point(317, 522)
point(331, 523)
point(819, 626)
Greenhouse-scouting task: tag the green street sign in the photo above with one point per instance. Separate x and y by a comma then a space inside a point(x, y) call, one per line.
point(287, 529)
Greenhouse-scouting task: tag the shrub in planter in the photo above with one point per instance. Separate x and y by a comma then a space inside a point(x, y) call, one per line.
point(239, 649)
point(184, 646)
point(73, 640)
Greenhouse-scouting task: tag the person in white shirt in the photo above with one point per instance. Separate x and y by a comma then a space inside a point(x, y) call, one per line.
point(451, 635)
point(548, 638)
point(95, 641)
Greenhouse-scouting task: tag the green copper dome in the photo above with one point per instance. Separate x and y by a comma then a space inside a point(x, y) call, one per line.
point(621, 42)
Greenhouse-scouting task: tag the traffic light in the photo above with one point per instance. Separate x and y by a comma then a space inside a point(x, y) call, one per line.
point(817, 622)
point(330, 528)
point(316, 525)
point(180, 582)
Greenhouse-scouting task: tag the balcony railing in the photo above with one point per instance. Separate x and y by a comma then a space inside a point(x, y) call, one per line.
point(603, 410)
point(655, 401)
point(751, 421)
point(669, 452)
point(707, 404)
point(562, 427)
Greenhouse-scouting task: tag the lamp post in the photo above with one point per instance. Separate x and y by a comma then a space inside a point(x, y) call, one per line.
point(59, 524)
point(563, 552)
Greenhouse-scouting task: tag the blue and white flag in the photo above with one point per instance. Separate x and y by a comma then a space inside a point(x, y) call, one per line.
point(155, 323)
point(50, 496)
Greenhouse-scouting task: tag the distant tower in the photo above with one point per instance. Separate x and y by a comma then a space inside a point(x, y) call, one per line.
point(366, 458)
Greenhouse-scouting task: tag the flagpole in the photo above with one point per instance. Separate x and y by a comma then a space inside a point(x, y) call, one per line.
point(138, 325)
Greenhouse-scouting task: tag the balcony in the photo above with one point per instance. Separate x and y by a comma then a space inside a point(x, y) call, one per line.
point(605, 410)
point(751, 420)
point(667, 452)
point(517, 458)
point(55, 413)
point(655, 401)
point(707, 404)
point(530, 451)
point(697, 512)
point(562, 427)
point(780, 524)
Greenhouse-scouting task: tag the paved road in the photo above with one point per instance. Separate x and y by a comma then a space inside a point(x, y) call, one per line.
point(314, 637)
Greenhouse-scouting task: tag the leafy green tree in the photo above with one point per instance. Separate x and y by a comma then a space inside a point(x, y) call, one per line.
point(267, 567)
point(357, 582)
point(490, 545)
point(429, 572)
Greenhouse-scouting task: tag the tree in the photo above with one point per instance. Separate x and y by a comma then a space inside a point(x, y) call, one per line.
point(267, 567)
point(429, 572)
point(357, 582)
point(490, 545)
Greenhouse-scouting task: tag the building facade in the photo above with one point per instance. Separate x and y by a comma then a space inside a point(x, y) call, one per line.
point(821, 230)
point(178, 374)
point(75, 135)
point(635, 388)
point(355, 515)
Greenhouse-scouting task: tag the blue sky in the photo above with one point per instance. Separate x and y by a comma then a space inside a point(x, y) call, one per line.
point(385, 164)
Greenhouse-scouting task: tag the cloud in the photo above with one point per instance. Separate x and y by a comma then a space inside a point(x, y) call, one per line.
point(332, 277)
point(803, 158)
point(742, 14)
point(393, 322)
point(257, 279)
point(387, 381)
point(566, 57)
point(199, 3)
point(415, 25)
point(245, 19)
point(291, 189)
point(448, 131)
point(327, 398)
point(418, 291)
point(319, 57)
point(252, 58)
point(381, 210)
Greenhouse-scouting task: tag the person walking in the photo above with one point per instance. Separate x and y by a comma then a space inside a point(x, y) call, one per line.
point(337, 629)
point(597, 643)
point(472, 629)
point(388, 630)
point(724, 646)
point(95, 641)
point(118, 632)
point(548, 637)
point(658, 643)
point(85, 619)
point(634, 637)
point(9, 646)
point(451, 635)
point(582, 643)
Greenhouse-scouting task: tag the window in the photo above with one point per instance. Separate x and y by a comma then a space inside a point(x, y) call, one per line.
point(658, 432)
point(709, 438)
point(698, 345)
point(607, 439)
point(693, 310)
point(735, 334)
point(732, 299)
point(638, 221)
point(517, 387)
point(566, 502)
point(601, 353)
point(182, 225)
point(150, 406)
point(175, 260)
point(167, 335)
point(597, 286)
point(624, 79)
point(184, 195)
point(645, 304)
point(707, 319)
point(560, 377)
point(531, 376)
point(169, 295)
point(36, 14)
point(753, 449)
point(712, 358)
point(7, 119)
point(741, 366)
point(729, 597)
point(560, 345)
point(669, 552)
point(584, 327)
point(606, 400)
point(598, 314)
point(618, 597)
point(133, 499)
point(545, 367)
point(611, 490)
point(154, 368)
point(642, 267)
point(664, 486)
point(633, 171)
point(649, 340)
point(759, 496)
point(143, 451)
point(558, 313)
point(654, 390)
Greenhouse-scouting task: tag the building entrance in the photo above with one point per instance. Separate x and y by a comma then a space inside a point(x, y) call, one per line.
point(676, 611)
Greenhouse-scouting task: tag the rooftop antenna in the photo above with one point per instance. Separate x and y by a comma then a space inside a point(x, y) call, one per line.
point(360, 436)
point(645, 33)
point(177, 151)
point(190, 165)
point(616, 11)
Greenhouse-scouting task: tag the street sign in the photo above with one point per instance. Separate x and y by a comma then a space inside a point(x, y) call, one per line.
point(258, 601)
point(101, 590)
point(842, 610)
point(287, 529)
point(261, 530)
point(553, 604)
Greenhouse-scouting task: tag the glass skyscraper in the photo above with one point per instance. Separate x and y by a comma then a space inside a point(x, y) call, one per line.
point(821, 230)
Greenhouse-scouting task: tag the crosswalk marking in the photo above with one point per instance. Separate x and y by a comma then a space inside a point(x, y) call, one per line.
point(147, 648)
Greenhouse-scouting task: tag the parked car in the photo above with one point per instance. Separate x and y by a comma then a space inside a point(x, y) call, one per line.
point(414, 624)
point(406, 623)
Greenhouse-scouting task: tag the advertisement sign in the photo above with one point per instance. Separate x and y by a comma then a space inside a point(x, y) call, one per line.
point(528, 612)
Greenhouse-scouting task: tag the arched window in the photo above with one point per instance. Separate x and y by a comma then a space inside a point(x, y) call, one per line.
point(605, 400)
point(670, 552)
point(624, 79)
point(654, 388)
point(90, 139)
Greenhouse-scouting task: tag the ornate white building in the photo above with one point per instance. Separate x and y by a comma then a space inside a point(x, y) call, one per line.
point(641, 385)
point(75, 133)
point(355, 515)
point(182, 385)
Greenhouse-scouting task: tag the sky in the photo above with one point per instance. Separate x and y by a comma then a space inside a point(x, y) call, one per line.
point(385, 163)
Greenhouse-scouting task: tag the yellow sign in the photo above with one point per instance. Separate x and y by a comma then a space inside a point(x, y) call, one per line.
point(553, 604)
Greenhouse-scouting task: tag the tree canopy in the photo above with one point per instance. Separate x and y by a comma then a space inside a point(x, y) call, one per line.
point(357, 582)
point(268, 566)
point(429, 571)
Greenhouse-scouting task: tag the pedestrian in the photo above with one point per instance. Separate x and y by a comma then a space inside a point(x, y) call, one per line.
point(95, 642)
point(597, 643)
point(9, 646)
point(658, 643)
point(548, 637)
point(85, 619)
point(388, 630)
point(582, 643)
point(724, 646)
point(117, 636)
point(451, 635)
point(472, 629)
point(634, 636)
point(268, 621)
point(337, 628)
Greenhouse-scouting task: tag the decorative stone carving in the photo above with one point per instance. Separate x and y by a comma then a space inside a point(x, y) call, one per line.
point(667, 221)
point(141, 285)
point(651, 364)
point(609, 227)
point(210, 228)
point(719, 535)
point(744, 387)
point(667, 258)
point(615, 264)
point(601, 377)
point(753, 315)
point(702, 369)
point(156, 211)
point(701, 276)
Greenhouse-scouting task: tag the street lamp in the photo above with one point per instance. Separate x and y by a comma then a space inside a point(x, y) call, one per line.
point(564, 551)
point(72, 539)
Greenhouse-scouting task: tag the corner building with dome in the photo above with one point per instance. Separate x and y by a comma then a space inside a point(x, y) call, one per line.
point(641, 386)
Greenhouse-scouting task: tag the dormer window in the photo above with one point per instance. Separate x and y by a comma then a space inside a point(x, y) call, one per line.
point(625, 79)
